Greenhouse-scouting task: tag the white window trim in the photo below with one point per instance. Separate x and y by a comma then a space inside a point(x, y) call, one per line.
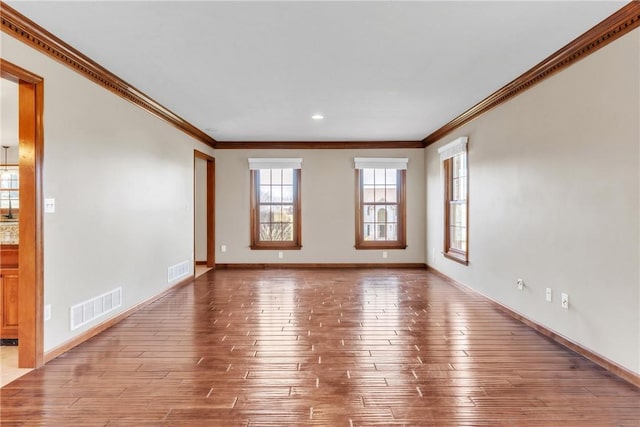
point(381, 163)
point(453, 148)
point(281, 163)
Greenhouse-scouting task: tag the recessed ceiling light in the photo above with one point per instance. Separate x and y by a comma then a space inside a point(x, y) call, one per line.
point(317, 117)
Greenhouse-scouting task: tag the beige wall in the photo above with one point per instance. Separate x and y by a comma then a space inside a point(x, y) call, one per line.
point(554, 199)
point(201, 209)
point(328, 208)
point(123, 184)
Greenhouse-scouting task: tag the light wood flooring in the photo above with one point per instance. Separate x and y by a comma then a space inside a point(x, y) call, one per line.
point(320, 347)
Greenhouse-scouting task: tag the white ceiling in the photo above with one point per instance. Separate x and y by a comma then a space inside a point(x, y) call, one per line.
point(257, 71)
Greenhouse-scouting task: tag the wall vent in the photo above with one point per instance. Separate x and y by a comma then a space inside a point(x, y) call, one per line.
point(178, 271)
point(85, 312)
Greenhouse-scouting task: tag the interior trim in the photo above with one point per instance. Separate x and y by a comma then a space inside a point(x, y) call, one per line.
point(27, 31)
point(95, 330)
point(596, 358)
point(304, 266)
point(315, 145)
point(615, 26)
point(31, 257)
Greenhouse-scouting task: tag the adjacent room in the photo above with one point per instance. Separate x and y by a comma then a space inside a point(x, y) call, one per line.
point(320, 213)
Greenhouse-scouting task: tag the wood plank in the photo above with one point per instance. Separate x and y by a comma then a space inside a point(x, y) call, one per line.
point(247, 347)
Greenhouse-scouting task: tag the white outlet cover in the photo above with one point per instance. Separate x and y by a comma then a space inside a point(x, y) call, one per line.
point(384, 254)
point(49, 205)
point(280, 255)
point(565, 301)
point(549, 295)
point(223, 248)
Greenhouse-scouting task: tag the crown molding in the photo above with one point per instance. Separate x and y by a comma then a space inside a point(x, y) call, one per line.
point(22, 28)
point(316, 145)
point(620, 23)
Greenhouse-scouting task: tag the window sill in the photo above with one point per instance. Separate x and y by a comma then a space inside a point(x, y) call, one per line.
point(460, 258)
point(380, 246)
point(276, 247)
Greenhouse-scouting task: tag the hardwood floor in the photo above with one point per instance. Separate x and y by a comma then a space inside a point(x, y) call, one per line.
point(319, 347)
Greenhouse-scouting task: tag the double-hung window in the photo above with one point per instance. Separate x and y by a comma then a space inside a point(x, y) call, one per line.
point(456, 223)
point(380, 203)
point(275, 203)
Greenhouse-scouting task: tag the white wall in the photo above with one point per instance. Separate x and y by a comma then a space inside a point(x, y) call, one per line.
point(328, 208)
point(201, 209)
point(123, 184)
point(554, 199)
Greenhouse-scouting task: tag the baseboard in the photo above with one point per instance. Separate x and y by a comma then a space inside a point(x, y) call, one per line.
point(320, 265)
point(90, 333)
point(609, 365)
point(201, 262)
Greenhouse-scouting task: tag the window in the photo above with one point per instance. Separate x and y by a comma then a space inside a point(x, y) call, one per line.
point(9, 190)
point(275, 203)
point(380, 203)
point(454, 163)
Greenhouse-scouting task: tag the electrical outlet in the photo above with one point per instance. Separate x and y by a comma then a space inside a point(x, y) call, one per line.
point(520, 284)
point(280, 254)
point(384, 254)
point(47, 312)
point(548, 295)
point(565, 300)
point(223, 248)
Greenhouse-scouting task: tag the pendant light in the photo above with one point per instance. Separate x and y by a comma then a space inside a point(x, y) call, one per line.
point(5, 172)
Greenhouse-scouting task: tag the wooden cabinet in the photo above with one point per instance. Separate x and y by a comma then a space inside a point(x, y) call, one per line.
point(9, 303)
point(9, 287)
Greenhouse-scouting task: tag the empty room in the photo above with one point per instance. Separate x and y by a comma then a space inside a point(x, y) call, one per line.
point(332, 213)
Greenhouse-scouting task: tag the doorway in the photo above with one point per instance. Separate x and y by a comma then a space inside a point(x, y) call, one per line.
point(30, 278)
point(204, 212)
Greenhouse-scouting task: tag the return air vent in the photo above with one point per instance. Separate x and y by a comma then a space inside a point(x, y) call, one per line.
point(178, 271)
point(85, 312)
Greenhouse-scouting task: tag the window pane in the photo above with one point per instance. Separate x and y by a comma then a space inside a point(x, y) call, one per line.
point(265, 214)
point(287, 176)
point(458, 238)
point(381, 214)
point(392, 194)
point(379, 176)
point(276, 194)
point(276, 213)
point(380, 194)
point(367, 176)
point(276, 176)
point(392, 213)
point(287, 193)
point(265, 176)
point(381, 232)
point(265, 232)
point(287, 232)
point(458, 215)
point(369, 231)
point(456, 166)
point(287, 214)
point(369, 213)
point(392, 174)
point(265, 194)
point(368, 194)
point(392, 232)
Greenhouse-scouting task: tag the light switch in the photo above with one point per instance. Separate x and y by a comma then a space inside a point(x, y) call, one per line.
point(49, 205)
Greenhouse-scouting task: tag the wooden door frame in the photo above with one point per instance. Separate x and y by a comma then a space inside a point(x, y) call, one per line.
point(31, 252)
point(211, 206)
